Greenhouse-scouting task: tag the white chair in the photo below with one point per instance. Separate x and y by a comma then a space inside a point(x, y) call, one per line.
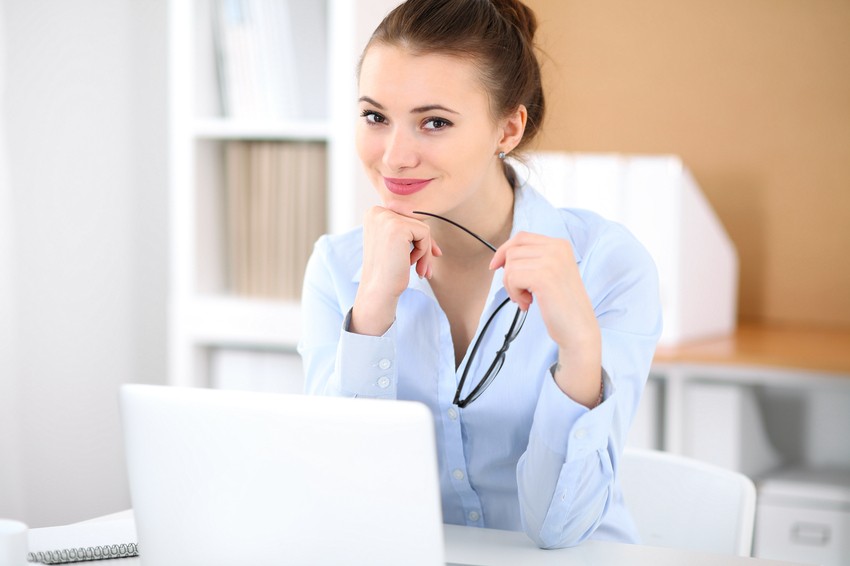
point(681, 502)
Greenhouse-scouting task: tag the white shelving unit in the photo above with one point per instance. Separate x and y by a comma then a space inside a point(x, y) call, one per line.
point(203, 315)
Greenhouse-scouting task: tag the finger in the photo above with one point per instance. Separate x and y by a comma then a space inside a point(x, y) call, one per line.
point(436, 251)
point(500, 255)
point(421, 254)
point(420, 257)
point(520, 240)
point(518, 293)
point(523, 298)
point(536, 274)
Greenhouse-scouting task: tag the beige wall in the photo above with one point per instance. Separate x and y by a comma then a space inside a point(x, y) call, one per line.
point(755, 97)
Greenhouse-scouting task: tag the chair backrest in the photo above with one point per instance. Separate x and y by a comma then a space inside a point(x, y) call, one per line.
point(681, 502)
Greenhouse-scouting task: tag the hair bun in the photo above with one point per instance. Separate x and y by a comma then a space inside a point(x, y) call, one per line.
point(518, 14)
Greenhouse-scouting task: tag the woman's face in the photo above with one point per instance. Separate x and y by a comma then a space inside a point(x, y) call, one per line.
point(426, 136)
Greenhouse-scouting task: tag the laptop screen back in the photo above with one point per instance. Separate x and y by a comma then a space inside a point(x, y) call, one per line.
point(238, 478)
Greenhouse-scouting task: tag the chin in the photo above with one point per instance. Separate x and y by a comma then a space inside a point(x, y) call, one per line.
point(403, 206)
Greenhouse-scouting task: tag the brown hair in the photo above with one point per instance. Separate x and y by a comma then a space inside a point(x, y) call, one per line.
point(498, 35)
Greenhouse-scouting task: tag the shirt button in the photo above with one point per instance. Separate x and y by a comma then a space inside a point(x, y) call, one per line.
point(383, 382)
point(580, 433)
point(457, 474)
point(452, 414)
point(385, 364)
point(474, 516)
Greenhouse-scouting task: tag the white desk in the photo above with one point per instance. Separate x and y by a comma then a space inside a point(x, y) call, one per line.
point(489, 547)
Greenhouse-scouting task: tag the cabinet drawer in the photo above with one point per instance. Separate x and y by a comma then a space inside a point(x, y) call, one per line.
point(803, 534)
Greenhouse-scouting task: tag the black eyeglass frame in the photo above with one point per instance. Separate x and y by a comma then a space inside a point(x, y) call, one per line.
point(510, 336)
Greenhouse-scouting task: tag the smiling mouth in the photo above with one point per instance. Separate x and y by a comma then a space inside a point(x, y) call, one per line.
point(405, 186)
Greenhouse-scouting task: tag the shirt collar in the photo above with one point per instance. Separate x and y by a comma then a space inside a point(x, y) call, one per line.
point(533, 213)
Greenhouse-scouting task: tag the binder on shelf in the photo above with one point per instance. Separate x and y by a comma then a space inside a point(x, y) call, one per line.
point(275, 211)
point(658, 200)
point(309, 38)
point(256, 58)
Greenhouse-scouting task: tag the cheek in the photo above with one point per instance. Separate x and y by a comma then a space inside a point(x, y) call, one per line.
point(467, 158)
point(369, 144)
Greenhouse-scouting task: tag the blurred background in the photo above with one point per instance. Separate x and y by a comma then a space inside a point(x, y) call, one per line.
point(83, 244)
point(754, 97)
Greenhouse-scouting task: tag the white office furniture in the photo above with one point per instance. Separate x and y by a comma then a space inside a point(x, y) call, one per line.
point(680, 502)
point(764, 401)
point(491, 547)
point(203, 315)
point(804, 515)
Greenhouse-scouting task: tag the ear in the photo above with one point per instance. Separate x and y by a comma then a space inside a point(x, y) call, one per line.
point(512, 129)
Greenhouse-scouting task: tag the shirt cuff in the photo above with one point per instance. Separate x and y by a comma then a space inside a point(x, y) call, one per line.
point(569, 428)
point(366, 364)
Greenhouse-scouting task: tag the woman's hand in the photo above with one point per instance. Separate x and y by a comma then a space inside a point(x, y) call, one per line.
point(392, 243)
point(544, 269)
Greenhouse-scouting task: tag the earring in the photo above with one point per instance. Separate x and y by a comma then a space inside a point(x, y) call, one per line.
point(501, 155)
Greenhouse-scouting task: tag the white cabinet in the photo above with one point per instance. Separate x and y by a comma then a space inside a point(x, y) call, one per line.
point(203, 314)
point(804, 515)
point(773, 403)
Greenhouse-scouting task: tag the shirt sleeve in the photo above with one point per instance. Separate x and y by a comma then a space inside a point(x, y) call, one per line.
point(338, 362)
point(567, 475)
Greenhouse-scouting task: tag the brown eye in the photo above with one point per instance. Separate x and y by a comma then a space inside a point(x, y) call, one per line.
point(436, 124)
point(373, 117)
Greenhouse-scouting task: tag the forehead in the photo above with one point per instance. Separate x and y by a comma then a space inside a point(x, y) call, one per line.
point(391, 74)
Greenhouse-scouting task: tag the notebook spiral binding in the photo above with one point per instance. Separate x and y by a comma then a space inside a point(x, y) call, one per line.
point(87, 554)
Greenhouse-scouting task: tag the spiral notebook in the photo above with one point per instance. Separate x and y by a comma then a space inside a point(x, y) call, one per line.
point(83, 542)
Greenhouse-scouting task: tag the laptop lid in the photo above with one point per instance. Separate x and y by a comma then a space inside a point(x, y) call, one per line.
point(227, 477)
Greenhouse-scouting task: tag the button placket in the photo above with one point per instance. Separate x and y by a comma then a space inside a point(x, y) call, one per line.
point(454, 464)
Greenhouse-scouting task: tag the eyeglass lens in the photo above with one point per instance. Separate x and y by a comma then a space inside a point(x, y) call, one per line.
point(498, 361)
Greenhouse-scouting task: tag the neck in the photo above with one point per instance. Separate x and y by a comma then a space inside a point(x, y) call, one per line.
point(490, 219)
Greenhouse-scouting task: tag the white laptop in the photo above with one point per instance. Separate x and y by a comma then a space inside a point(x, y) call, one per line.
point(233, 478)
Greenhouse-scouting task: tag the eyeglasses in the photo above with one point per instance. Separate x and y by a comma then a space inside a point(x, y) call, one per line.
point(499, 360)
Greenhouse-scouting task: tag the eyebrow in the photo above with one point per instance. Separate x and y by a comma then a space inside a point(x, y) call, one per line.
point(417, 110)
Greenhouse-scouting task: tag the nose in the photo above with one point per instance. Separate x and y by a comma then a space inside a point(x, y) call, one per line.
point(401, 151)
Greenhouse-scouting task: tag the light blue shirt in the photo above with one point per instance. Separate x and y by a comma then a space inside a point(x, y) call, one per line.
point(523, 456)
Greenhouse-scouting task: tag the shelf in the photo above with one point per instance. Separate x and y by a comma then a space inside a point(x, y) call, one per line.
point(792, 348)
point(228, 129)
point(327, 40)
point(764, 396)
point(242, 322)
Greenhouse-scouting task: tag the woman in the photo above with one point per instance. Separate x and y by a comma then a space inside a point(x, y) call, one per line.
point(532, 402)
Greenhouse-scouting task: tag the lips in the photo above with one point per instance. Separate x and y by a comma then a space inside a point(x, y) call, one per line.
point(405, 186)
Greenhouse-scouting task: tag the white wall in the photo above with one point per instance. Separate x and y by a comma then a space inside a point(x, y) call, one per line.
point(85, 130)
point(11, 503)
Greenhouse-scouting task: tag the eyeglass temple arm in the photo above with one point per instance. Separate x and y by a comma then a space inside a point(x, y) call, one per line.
point(453, 223)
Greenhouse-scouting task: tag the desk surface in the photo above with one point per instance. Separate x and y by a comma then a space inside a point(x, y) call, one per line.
point(474, 546)
point(490, 547)
point(820, 349)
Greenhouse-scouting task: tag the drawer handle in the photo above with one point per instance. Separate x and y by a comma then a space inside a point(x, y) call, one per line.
point(811, 534)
